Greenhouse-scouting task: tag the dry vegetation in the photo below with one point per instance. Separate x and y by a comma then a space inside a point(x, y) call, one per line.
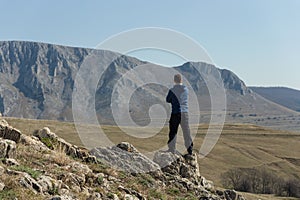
point(240, 146)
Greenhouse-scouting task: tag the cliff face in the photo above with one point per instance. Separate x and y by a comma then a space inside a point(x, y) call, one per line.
point(37, 81)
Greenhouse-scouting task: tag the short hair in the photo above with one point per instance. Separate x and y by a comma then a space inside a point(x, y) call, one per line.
point(177, 78)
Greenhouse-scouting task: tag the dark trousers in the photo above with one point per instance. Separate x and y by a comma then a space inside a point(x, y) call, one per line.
point(183, 120)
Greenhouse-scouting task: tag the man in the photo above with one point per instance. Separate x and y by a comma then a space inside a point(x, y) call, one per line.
point(178, 97)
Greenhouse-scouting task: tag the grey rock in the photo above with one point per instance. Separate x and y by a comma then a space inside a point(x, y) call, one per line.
point(59, 144)
point(11, 162)
point(124, 160)
point(7, 148)
point(8, 132)
point(2, 186)
point(95, 196)
point(2, 170)
point(49, 184)
point(33, 142)
point(74, 181)
point(232, 195)
point(127, 147)
point(28, 182)
point(177, 165)
point(62, 197)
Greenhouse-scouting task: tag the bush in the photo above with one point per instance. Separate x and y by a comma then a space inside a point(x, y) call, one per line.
point(260, 181)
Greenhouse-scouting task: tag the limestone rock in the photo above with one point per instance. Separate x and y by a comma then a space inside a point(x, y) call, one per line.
point(177, 165)
point(62, 197)
point(28, 182)
point(2, 170)
point(75, 181)
point(124, 160)
point(127, 147)
point(7, 148)
point(11, 162)
point(2, 186)
point(232, 195)
point(33, 142)
point(95, 196)
point(52, 141)
point(8, 132)
point(49, 184)
point(80, 168)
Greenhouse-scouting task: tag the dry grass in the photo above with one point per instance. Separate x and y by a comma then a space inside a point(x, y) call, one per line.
point(240, 145)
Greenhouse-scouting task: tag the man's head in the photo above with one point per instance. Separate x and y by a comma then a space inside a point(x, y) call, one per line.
point(177, 78)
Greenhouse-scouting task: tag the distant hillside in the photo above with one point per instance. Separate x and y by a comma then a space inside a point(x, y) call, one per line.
point(37, 81)
point(287, 97)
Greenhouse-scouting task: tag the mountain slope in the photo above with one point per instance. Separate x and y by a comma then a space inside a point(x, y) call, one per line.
point(37, 81)
point(287, 97)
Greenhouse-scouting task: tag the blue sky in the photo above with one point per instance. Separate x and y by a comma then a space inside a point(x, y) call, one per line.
point(259, 40)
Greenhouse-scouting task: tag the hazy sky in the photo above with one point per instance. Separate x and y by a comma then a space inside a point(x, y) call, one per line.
point(259, 40)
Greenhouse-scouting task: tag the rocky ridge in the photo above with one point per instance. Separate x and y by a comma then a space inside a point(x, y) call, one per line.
point(37, 81)
point(44, 166)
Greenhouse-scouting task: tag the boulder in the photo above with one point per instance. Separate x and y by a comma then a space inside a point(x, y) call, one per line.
point(177, 165)
point(127, 147)
point(8, 132)
point(53, 142)
point(232, 195)
point(28, 182)
point(33, 142)
point(7, 148)
point(74, 181)
point(11, 162)
point(49, 184)
point(125, 157)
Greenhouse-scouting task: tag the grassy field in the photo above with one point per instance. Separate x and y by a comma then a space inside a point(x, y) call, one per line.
point(240, 146)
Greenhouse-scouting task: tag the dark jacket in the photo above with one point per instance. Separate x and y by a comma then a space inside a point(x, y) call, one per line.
point(178, 97)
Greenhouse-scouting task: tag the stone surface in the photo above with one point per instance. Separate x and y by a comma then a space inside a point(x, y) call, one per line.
point(177, 165)
point(28, 182)
point(7, 148)
point(8, 132)
point(33, 142)
point(53, 142)
point(62, 197)
point(11, 162)
point(49, 184)
point(2, 186)
point(124, 160)
point(2, 170)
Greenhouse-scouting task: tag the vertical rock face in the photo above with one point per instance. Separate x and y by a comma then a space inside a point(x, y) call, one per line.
point(37, 81)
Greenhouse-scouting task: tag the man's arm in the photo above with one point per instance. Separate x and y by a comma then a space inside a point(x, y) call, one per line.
point(169, 96)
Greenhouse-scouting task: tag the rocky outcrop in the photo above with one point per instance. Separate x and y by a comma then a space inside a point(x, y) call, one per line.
point(126, 157)
point(8, 132)
point(118, 172)
point(52, 141)
point(7, 148)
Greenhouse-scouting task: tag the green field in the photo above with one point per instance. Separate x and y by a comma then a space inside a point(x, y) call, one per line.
point(240, 146)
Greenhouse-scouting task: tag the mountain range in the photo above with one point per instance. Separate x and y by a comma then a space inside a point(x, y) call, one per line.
point(37, 81)
point(287, 97)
